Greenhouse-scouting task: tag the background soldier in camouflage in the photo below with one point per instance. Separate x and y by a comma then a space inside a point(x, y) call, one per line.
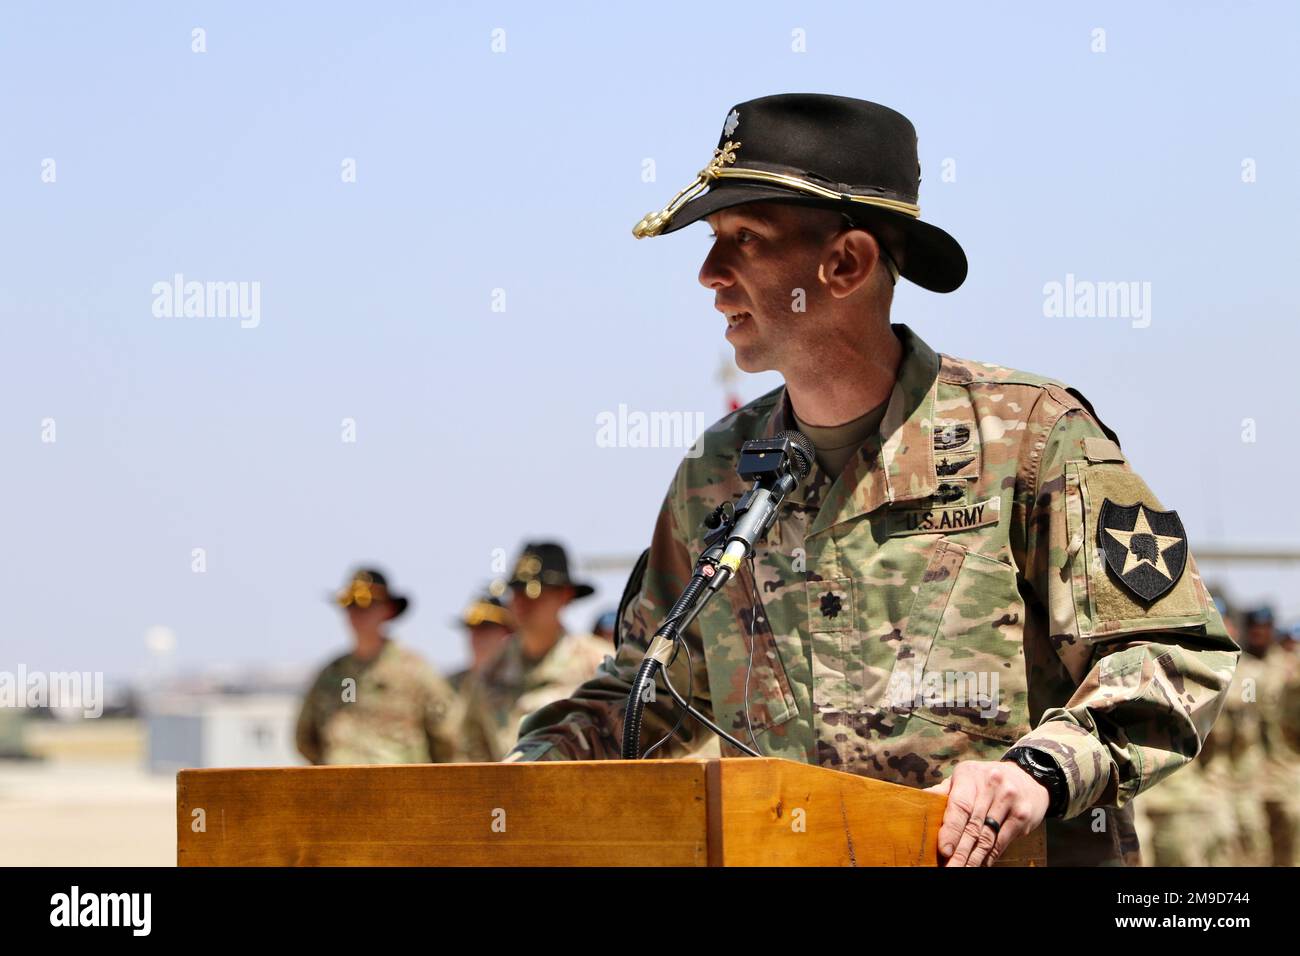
point(1263, 759)
point(1288, 717)
point(604, 625)
point(536, 665)
point(989, 528)
point(487, 623)
point(1202, 815)
point(379, 703)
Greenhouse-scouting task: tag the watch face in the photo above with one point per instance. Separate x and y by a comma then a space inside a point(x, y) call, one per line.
point(1037, 762)
point(1030, 761)
point(1044, 770)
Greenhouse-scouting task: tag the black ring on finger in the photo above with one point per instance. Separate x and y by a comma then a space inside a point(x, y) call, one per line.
point(993, 825)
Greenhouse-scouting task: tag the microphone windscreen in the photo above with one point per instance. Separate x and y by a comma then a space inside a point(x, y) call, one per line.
point(804, 453)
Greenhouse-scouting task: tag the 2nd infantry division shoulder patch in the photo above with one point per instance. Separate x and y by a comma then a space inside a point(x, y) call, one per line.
point(1144, 548)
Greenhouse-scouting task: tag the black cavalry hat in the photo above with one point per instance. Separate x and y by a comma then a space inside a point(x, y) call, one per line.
point(545, 564)
point(832, 152)
point(367, 586)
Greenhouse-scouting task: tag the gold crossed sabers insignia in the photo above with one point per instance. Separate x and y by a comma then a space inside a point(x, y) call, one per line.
point(652, 223)
point(720, 167)
point(358, 593)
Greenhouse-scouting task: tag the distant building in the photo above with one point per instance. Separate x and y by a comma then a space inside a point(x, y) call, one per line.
point(220, 730)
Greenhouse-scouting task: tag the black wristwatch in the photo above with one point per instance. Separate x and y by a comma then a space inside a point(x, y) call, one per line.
point(1043, 769)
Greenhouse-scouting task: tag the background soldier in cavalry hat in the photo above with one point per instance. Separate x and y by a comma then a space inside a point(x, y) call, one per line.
point(961, 518)
point(1263, 742)
point(380, 702)
point(539, 663)
point(487, 623)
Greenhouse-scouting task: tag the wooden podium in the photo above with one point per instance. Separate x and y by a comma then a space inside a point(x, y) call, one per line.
point(719, 812)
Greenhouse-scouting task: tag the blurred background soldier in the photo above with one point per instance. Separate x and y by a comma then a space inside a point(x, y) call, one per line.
point(604, 626)
point(1192, 818)
point(487, 623)
point(1288, 714)
point(1271, 763)
point(1249, 765)
point(539, 663)
point(380, 702)
point(1286, 638)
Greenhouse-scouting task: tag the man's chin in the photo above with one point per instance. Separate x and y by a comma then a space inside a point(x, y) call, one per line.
point(747, 360)
point(750, 356)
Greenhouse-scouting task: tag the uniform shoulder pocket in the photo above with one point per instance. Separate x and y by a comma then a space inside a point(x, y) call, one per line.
point(1128, 558)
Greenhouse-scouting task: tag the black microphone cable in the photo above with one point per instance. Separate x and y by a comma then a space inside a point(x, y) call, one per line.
point(685, 707)
point(738, 543)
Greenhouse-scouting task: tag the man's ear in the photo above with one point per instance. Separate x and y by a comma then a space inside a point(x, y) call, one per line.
point(853, 255)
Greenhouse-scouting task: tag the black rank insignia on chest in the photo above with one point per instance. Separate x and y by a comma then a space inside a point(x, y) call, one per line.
point(1145, 549)
point(831, 604)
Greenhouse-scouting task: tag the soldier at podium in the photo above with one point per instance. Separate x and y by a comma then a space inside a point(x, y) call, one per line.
point(539, 663)
point(973, 591)
point(380, 702)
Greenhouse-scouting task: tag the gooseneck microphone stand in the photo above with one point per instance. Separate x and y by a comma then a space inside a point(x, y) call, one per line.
point(776, 466)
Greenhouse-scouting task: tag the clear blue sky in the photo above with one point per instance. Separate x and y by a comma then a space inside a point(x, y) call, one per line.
point(522, 171)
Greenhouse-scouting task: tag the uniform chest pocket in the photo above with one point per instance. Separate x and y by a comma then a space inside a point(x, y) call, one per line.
point(961, 662)
point(750, 688)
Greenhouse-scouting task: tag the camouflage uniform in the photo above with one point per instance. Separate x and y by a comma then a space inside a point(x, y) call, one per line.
point(1288, 721)
point(396, 710)
point(1264, 765)
point(1226, 759)
point(459, 680)
point(510, 687)
point(963, 538)
point(1185, 821)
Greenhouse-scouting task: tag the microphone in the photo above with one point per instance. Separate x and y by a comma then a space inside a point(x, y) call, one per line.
point(776, 465)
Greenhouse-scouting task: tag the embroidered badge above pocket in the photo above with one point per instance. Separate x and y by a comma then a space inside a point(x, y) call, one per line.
point(951, 492)
point(956, 449)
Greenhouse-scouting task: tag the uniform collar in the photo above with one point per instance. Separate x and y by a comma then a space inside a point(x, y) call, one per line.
point(895, 465)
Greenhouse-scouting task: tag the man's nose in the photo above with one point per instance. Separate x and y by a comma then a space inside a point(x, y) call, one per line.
point(714, 273)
